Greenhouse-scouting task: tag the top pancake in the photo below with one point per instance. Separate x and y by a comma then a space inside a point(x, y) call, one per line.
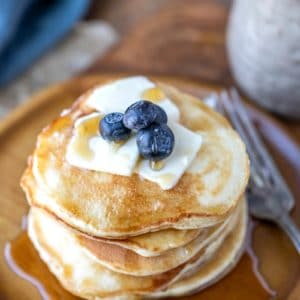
point(113, 206)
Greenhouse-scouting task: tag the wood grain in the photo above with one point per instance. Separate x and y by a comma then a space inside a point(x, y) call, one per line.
point(184, 38)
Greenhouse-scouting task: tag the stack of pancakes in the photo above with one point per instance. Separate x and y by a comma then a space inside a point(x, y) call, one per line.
point(109, 236)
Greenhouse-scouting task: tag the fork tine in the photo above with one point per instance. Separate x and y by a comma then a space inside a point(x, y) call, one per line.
point(257, 177)
point(212, 100)
point(259, 145)
point(250, 135)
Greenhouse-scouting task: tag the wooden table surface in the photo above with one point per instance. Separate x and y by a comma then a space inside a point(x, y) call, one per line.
point(184, 38)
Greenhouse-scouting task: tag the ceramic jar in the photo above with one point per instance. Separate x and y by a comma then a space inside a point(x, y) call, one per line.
point(263, 42)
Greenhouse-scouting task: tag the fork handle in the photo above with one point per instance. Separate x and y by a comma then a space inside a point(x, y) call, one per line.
point(291, 229)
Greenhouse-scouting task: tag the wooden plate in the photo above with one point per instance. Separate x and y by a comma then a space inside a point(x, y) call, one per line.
point(278, 260)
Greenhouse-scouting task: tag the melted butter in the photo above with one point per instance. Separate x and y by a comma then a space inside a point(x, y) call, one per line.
point(166, 178)
point(86, 130)
point(157, 165)
point(138, 165)
point(154, 94)
point(116, 145)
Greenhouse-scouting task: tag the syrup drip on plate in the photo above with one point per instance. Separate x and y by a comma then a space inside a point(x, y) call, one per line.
point(255, 260)
point(243, 282)
point(24, 260)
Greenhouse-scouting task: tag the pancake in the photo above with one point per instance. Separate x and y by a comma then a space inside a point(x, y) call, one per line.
point(127, 262)
point(149, 244)
point(112, 206)
point(156, 243)
point(85, 277)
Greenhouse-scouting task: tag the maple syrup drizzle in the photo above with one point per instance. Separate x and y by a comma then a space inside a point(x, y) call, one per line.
point(24, 260)
point(86, 130)
point(153, 94)
point(255, 260)
point(117, 145)
point(157, 165)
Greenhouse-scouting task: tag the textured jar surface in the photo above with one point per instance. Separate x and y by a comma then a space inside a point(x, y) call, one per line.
point(263, 42)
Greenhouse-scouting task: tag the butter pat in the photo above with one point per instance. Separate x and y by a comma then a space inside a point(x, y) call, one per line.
point(187, 145)
point(88, 150)
point(171, 110)
point(118, 95)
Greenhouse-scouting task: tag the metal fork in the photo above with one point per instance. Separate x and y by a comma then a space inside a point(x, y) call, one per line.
point(268, 195)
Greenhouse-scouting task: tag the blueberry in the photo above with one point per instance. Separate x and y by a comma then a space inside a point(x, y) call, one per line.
point(143, 113)
point(112, 128)
point(155, 142)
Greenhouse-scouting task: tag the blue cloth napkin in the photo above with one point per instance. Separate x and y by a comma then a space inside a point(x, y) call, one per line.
point(28, 28)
